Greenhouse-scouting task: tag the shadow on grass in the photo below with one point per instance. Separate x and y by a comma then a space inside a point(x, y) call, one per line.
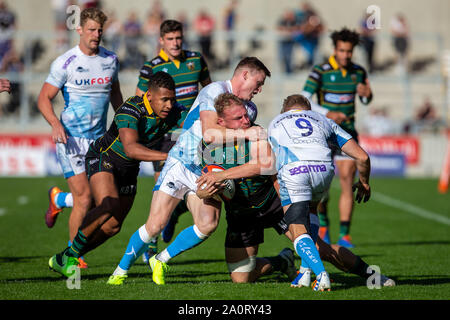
point(19, 259)
point(406, 243)
point(423, 280)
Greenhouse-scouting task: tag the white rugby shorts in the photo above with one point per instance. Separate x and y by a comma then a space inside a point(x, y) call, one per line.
point(71, 155)
point(176, 180)
point(304, 181)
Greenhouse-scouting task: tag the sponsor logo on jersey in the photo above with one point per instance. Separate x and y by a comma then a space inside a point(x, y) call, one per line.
point(185, 90)
point(93, 81)
point(339, 98)
point(107, 66)
point(81, 69)
point(308, 168)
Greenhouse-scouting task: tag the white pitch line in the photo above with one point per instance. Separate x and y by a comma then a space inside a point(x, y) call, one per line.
point(404, 206)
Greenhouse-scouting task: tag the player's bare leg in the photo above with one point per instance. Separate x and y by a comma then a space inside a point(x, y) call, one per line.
point(347, 171)
point(161, 207)
point(79, 187)
point(113, 225)
point(107, 201)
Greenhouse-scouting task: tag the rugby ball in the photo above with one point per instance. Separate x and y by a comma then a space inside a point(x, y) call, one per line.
point(229, 190)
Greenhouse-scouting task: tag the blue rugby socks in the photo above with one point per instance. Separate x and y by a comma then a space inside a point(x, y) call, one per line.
point(187, 239)
point(137, 245)
point(314, 232)
point(306, 249)
point(64, 200)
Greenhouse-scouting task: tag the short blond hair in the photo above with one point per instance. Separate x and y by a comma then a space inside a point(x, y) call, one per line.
point(92, 14)
point(226, 100)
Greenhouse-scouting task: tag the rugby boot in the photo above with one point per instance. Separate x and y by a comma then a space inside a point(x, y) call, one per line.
point(117, 279)
point(303, 278)
point(159, 270)
point(82, 264)
point(63, 264)
point(324, 234)
point(53, 210)
point(322, 282)
point(387, 282)
point(346, 241)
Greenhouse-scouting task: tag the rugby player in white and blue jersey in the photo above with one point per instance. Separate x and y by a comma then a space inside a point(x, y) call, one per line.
point(300, 139)
point(182, 169)
point(87, 76)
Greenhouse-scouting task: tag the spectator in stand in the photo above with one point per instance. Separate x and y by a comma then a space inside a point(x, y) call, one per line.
point(426, 119)
point(400, 37)
point(367, 37)
point(286, 28)
point(230, 26)
point(7, 28)
point(112, 32)
point(310, 27)
point(151, 32)
point(182, 18)
point(90, 4)
point(155, 16)
point(132, 33)
point(12, 63)
point(204, 26)
point(378, 123)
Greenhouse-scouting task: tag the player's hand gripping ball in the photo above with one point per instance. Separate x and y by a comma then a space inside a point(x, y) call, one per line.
point(229, 189)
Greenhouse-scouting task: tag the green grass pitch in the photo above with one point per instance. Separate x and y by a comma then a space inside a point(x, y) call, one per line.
point(396, 230)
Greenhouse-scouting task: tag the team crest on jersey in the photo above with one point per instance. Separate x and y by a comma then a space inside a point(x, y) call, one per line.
point(332, 78)
point(156, 61)
point(190, 65)
point(353, 77)
point(107, 165)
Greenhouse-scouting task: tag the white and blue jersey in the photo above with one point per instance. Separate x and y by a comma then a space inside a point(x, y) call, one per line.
point(85, 82)
point(301, 141)
point(304, 135)
point(185, 150)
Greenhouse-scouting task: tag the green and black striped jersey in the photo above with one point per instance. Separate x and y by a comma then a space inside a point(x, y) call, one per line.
point(137, 114)
point(336, 88)
point(251, 194)
point(187, 73)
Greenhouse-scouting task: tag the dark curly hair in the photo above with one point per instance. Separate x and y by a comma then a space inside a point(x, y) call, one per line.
point(161, 79)
point(345, 35)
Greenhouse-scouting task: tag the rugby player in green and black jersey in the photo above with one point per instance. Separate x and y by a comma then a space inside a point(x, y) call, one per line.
point(337, 83)
point(256, 204)
point(112, 165)
point(189, 70)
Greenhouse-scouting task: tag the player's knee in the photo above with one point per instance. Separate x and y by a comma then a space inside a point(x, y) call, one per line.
point(207, 224)
point(111, 205)
point(112, 228)
point(83, 201)
point(298, 213)
point(240, 270)
point(324, 249)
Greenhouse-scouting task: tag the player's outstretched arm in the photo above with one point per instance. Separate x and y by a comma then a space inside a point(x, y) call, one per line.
point(48, 92)
point(133, 149)
point(362, 187)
